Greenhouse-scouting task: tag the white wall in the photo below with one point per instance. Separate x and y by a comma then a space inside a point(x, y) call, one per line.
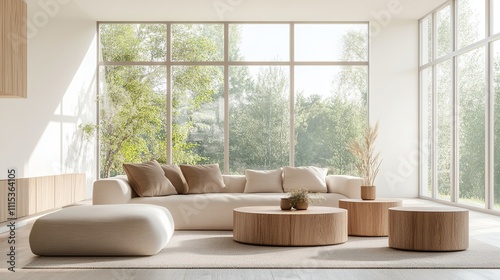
point(394, 103)
point(40, 136)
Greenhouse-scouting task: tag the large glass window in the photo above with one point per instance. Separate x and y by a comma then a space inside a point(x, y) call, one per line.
point(132, 97)
point(259, 118)
point(345, 42)
point(443, 32)
point(471, 21)
point(132, 110)
point(426, 131)
point(132, 42)
point(496, 15)
point(329, 113)
point(471, 126)
point(259, 42)
point(426, 40)
point(197, 115)
point(197, 42)
point(455, 126)
point(444, 87)
point(173, 92)
point(496, 92)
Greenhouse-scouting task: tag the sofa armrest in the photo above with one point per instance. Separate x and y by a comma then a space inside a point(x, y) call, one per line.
point(114, 190)
point(348, 186)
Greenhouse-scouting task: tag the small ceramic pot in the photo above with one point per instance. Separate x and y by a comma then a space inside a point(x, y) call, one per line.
point(301, 205)
point(285, 203)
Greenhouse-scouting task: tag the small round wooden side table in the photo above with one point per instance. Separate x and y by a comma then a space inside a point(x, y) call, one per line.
point(368, 217)
point(429, 228)
point(269, 225)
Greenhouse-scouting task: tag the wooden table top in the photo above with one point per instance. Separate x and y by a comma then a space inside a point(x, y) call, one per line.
point(276, 210)
point(377, 200)
point(436, 209)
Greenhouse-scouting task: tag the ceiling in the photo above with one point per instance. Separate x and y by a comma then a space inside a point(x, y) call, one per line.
point(219, 10)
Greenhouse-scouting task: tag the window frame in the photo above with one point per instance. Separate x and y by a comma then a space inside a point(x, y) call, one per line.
point(455, 53)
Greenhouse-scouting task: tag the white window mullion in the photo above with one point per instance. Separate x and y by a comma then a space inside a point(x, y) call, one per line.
point(169, 95)
point(454, 192)
point(226, 98)
point(435, 120)
point(434, 137)
point(490, 129)
point(292, 95)
point(98, 107)
point(490, 112)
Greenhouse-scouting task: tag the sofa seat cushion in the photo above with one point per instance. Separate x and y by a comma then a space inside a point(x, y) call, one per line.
point(214, 211)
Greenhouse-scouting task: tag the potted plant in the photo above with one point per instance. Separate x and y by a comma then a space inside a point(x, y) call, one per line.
point(367, 161)
point(300, 198)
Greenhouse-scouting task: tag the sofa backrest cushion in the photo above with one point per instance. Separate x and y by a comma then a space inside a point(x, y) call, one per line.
point(148, 179)
point(310, 178)
point(174, 175)
point(203, 178)
point(234, 183)
point(264, 181)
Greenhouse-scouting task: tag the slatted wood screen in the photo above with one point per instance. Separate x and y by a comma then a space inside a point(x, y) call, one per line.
point(13, 48)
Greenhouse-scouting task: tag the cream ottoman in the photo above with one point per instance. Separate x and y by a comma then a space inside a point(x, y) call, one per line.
point(103, 230)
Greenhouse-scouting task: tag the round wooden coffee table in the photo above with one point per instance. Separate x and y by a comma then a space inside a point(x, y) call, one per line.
point(369, 217)
point(429, 228)
point(269, 225)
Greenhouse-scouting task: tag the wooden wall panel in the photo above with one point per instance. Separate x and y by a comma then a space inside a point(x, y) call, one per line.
point(45, 195)
point(26, 197)
point(13, 48)
point(3, 199)
point(39, 194)
point(63, 190)
point(80, 187)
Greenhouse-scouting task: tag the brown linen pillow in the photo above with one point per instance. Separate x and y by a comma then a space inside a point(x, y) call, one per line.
point(148, 179)
point(174, 175)
point(203, 178)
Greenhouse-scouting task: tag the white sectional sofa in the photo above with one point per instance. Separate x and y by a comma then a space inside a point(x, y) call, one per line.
point(214, 211)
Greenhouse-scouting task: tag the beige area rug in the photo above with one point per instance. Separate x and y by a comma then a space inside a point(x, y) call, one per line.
point(216, 249)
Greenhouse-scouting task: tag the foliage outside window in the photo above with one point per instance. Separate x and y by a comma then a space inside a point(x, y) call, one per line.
point(172, 92)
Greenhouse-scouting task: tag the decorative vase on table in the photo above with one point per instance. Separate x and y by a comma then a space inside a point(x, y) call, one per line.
point(367, 161)
point(286, 204)
point(368, 192)
point(301, 205)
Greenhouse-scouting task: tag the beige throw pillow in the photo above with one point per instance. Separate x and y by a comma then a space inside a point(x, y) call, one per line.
point(203, 178)
point(148, 179)
point(310, 178)
point(263, 181)
point(174, 175)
